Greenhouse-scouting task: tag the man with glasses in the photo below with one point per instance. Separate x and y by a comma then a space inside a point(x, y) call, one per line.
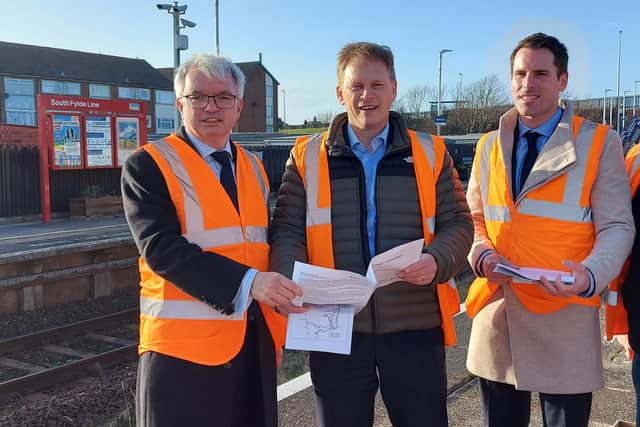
point(196, 204)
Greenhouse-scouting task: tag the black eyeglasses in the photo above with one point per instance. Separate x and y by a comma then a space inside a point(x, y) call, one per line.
point(223, 101)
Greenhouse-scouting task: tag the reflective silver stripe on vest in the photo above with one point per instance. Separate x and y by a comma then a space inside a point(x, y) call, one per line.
point(185, 310)
point(431, 225)
point(496, 213)
point(427, 144)
point(491, 213)
point(315, 215)
point(567, 210)
point(253, 159)
point(612, 298)
point(256, 234)
point(576, 175)
point(216, 237)
point(192, 212)
point(553, 210)
point(452, 283)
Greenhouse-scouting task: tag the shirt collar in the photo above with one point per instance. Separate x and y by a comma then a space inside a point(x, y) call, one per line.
point(545, 129)
point(204, 149)
point(380, 139)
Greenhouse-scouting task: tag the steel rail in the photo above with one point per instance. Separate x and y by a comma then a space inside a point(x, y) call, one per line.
point(56, 375)
point(47, 336)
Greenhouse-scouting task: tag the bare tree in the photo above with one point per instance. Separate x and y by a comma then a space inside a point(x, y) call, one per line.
point(324, 117)
point(398, 106)
point(416, 98)
point(483, 101)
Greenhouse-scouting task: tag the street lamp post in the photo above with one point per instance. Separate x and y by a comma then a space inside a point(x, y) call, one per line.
point(604, 106)
point(624, 107)
point(459, 88)
point(635, 96)
point(284, 107)
point(180, 42)
point(618, 80)
point(611, 112)
point(442, 52)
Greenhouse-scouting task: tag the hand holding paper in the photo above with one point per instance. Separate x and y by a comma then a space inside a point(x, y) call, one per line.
point(528, 274)
point(327, 286)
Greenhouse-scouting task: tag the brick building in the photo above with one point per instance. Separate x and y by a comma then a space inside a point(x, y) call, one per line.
point(260, 112)
point(30, 70)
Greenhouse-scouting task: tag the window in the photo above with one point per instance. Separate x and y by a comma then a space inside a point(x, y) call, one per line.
point(61, 88)
point(20, 104)
point(164, 118)
point(99, 91)
point(268, 81)
point(134, 93)
point(165, 97)
point(149, 122)
point(165, 101)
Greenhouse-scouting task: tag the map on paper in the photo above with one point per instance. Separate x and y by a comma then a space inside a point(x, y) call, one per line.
point(323, 328)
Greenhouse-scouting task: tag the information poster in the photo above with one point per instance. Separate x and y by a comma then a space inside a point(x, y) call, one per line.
point(128, 137)
point(99, 142)
point(66, 140)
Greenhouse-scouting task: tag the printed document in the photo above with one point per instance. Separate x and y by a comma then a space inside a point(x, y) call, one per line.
point(323, 328)
point(526, 274)
point(334, 296)
point(327, 286)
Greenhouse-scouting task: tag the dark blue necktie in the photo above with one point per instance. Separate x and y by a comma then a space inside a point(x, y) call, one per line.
point(226, 175)
point(530, 157)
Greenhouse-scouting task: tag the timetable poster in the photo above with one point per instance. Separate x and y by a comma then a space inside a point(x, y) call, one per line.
point(66, 140)
point(128, 137)
point(99, 142)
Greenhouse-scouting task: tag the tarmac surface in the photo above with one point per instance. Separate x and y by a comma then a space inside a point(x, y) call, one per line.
point(616, 401)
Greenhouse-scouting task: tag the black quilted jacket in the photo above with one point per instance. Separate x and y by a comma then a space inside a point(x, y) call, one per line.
point(400, 306)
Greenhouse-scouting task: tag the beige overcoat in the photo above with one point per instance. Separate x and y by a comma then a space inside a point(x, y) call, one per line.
point(558, 352)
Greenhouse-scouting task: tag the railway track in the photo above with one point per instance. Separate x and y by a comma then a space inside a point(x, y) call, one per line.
point(45, 358)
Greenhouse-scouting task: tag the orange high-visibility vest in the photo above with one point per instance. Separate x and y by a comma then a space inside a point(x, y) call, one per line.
point(173, 322)
point(310, 154)
point(615, 313)
point(549, 224)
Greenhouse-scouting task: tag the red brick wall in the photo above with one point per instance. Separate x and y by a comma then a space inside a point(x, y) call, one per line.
point(18, 135)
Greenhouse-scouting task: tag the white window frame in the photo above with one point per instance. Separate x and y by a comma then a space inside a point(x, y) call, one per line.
point(127, 92)
point(11, 113)
point(60, 87)
point(94, 91)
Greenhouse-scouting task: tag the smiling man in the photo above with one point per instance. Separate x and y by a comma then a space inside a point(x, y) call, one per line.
point(549, 190)
point(196, 204)
point(364, 186)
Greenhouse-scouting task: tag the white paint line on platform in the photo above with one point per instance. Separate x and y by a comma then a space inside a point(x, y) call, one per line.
point(294, 386)
point(303, 382)
point(66, 231)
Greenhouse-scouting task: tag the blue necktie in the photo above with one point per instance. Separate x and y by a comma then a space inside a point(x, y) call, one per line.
point(226, 175)
point(530, 157)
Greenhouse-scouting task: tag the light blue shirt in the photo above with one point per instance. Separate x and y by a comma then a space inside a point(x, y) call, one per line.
point(370, 160)
point(545, 130)
point(241, 299)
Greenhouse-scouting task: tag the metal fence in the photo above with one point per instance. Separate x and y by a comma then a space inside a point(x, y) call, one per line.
point(20, 179)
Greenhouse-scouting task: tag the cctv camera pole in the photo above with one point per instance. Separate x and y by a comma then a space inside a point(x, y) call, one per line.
point(217, 31)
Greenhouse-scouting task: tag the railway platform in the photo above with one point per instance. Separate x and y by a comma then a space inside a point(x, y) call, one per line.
point(39, 244)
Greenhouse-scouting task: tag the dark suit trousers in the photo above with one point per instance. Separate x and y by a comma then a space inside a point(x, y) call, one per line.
point(173, 392)
point(504, 406)
point(408, 366)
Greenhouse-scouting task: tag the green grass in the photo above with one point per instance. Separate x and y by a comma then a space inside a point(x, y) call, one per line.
point(305, 131)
